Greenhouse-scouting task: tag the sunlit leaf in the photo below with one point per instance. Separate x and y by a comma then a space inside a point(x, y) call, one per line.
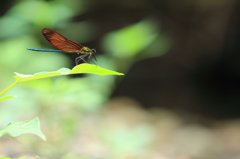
point(6, 98)
point(82, 68)
point(16, 129)
point(93, 69)
point(21, 77)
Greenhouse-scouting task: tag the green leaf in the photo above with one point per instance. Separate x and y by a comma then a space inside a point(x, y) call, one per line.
point(93, 69)
point(130, 40)
point(5, 158)
point(21, 77)
point(82, 68)
point(16, 129)
point(6, 98)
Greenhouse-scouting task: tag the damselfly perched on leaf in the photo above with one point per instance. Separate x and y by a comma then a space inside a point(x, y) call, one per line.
point(65, 45)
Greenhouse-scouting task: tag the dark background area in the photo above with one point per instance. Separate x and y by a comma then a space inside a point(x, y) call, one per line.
point(200, 73)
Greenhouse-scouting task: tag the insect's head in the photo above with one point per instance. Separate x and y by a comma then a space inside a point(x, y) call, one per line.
point(94, 51)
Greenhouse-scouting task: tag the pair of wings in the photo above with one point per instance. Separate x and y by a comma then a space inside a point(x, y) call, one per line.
point(61, 42)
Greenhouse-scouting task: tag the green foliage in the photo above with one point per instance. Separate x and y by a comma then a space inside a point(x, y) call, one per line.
point(83, 68)
point(33, 126)
point(70, 107)
point(129, 41)
point(18, 128)
point(6, 98)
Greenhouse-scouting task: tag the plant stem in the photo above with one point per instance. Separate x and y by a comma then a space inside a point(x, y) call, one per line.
point(8, 88)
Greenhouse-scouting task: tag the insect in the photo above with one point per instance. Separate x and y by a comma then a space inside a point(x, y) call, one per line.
point(65, 45)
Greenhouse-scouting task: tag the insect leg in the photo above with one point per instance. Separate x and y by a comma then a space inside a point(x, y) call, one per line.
point(80, 58)
point(94, 57)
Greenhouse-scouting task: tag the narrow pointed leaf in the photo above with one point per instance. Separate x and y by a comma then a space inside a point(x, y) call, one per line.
point(93, 69)
point(82, 68)
point(5, 98)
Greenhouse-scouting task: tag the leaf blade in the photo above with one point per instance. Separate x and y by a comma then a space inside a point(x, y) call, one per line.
point(6, 98)
point(21, 77)
point(16, 129)
point(93, 69)
point(82, 68)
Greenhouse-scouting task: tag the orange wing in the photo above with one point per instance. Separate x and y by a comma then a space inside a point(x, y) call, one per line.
point(61, 42)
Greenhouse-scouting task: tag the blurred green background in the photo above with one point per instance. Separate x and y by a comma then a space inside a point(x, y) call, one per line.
point(179, 98)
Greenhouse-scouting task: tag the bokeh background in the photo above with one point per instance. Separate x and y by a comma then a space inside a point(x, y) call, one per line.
point(179, 98)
